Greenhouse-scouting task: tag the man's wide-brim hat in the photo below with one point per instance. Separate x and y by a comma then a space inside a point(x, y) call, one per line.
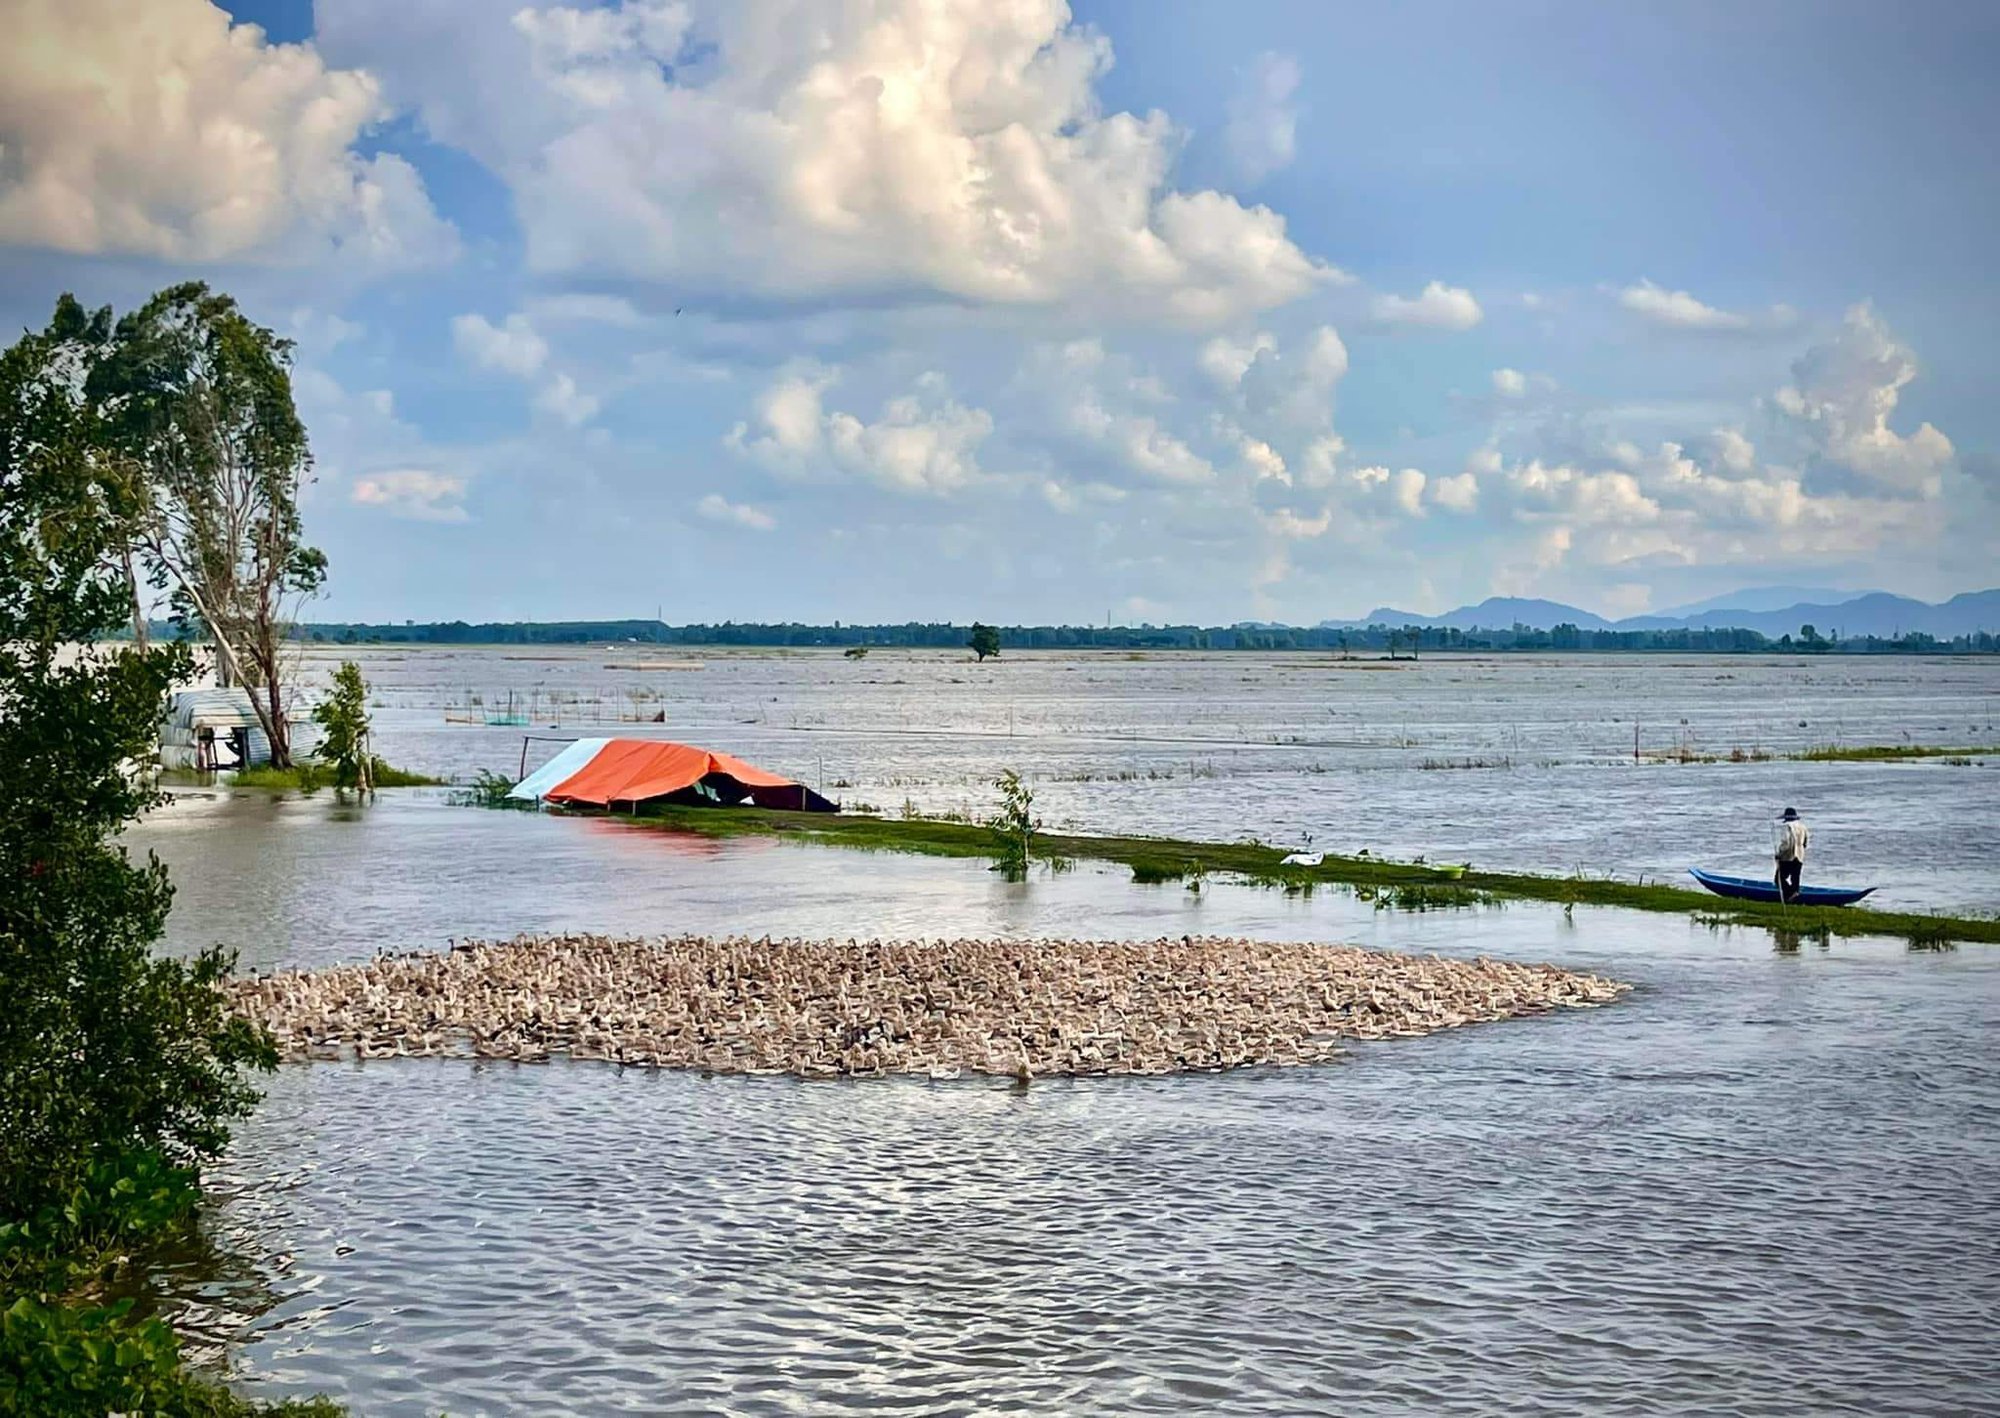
point(1790, 814)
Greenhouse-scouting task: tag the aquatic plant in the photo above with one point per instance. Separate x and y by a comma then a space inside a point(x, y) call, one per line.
point(1891, 753)
point(488, 789)
point(1015, 824)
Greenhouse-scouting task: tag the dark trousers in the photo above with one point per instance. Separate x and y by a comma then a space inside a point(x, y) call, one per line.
point(1788, 881)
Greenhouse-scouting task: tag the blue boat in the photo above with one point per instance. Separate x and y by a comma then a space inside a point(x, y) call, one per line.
point(1749, 888)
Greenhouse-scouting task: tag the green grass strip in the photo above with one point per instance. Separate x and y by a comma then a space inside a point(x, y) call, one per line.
point(1889, 753)
point(1161, 859)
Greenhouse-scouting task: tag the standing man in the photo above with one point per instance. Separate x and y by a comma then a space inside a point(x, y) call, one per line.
point(1792, 840)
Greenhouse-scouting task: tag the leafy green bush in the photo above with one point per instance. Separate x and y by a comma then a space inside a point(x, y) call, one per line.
point(488, 789)
point(85, 1361)
point(343, 720)
point(1015, 824)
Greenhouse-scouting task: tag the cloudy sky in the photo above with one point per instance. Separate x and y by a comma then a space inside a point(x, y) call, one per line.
point(893, 309)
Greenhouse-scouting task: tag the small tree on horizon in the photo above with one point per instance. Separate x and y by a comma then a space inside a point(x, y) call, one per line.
point(985, 641)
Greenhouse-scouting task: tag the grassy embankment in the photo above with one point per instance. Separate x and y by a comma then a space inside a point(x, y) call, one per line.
point(308, 777)
point(1156, 859)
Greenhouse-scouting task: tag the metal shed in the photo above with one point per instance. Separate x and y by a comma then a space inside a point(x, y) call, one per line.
point(212, 728)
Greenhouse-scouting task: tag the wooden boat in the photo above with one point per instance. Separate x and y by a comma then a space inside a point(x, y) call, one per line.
point(1749, 888)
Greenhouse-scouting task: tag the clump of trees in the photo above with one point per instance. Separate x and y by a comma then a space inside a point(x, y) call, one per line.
point(120, 1072)
point(985, 641)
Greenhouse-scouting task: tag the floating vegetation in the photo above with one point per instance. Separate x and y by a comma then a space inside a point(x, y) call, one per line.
point(488, 789)
point(1893, 753)
point(828, 1009)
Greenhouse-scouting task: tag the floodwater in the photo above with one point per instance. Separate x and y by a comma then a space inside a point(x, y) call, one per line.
point(1760, 1184)
point(1511, 762)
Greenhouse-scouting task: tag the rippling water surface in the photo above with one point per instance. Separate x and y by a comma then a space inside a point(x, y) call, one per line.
point(1517, 761)
point(1761, 1184)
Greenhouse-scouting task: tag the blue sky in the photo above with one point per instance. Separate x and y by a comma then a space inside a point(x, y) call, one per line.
point(1197, 312)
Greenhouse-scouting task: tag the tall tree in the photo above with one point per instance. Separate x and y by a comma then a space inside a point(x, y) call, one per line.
point(105, 1051)
point(200, 401)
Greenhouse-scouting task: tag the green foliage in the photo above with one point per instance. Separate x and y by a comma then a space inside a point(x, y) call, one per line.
point(196, 405)
point(308, 776)
point(1168, 859)
point(855, 652)
point(85, 1361)
point(1015, 824)
point(119, 1071)
point(343, 720)
point(985, 640)
point(1891, 753)
point(385, 775)
point(124, 1201)
point(488, 789)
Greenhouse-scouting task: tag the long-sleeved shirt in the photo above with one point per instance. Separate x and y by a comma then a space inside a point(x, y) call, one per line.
point(1792, 840)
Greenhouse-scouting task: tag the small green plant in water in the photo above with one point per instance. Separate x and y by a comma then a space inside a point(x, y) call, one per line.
point(1015, 824)
point(343, 720)
point(489, 789)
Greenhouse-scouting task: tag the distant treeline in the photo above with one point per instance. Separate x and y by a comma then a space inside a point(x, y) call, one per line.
point(1387, 639)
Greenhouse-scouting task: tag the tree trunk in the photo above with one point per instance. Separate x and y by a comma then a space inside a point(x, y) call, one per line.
point(229, 673)
point(139, 636)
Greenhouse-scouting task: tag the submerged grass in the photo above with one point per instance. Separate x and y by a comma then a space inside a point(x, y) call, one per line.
point(1891, 752)
point(307, 777)
point(1159, 859)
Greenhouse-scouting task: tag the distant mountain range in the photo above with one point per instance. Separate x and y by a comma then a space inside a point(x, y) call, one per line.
point(1767, 598)
point(1841, 612)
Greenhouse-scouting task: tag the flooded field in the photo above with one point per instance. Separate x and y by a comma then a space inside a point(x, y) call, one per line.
point(1516, 762)
point(1760, 1182)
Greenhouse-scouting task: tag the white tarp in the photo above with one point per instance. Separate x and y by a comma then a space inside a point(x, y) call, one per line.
point(571, 760)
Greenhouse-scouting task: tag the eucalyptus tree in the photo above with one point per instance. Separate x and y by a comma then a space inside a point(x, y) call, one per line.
point(197, 398)
point(105, 1051)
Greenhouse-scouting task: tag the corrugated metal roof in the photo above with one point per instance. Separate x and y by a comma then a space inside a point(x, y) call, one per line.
point(212, 709)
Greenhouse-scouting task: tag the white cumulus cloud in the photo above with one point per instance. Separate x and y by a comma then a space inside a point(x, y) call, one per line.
point(1262, 131)
point(1458, 492)
point(1438, 306)
point(717, 508)
point(903, 148)
point(516, 347)
point(921, 442)
point(562, 398)
point(162, 130)
point(1843, 393)
point(513, 345)
point(415, 493)
point(1678, 309)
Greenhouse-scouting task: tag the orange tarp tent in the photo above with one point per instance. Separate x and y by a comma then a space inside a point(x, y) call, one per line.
point(641, 770)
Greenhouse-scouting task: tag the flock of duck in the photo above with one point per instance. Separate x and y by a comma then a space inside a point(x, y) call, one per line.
point(823, 1009)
